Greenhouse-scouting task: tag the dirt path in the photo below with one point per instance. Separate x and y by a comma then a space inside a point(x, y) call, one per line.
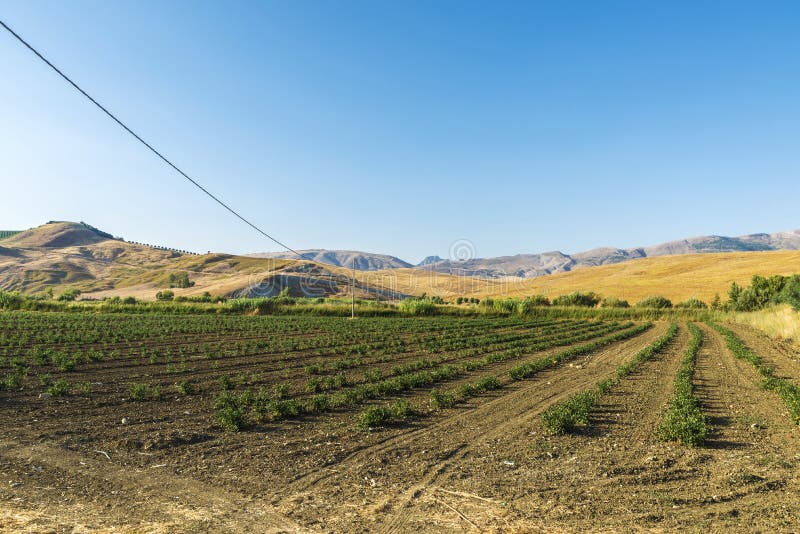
point(782, 356)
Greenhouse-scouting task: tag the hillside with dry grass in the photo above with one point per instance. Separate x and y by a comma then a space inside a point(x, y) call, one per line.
point(675, 277)
point(61, 255)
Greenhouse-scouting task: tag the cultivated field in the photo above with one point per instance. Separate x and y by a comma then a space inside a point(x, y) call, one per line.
point(161, 423)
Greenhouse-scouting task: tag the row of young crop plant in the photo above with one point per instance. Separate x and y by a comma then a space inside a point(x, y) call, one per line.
point(25, 328)
point(684, 420)
point(317, 335)
point(66, 361)
point(176, 363)
point(441, 399)
point(274, 407)
point(258, 345)
point(469, 347)
point(788, 391)
point(563, 417)
point(426, 372)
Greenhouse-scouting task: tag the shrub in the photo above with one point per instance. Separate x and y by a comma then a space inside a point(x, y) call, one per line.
point(614, 302)
point(563, 417)
point(69, 295)
point(418, 307)
point(692, 304)
point(655, 301)
point(531, 303)
point(165, 295)
point(589, 300)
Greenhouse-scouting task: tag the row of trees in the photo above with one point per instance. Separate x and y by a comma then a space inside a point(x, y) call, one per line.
point(581, 299)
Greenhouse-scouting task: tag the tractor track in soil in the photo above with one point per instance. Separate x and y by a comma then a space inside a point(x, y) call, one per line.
point(430, 451)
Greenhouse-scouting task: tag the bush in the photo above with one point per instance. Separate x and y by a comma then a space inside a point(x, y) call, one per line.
point(165, 295)
point(588, 300)
point(418, 307)
point(692, 304)
point(655, 301)
point(129, 300)
point(614, 302)
point(69, 295)
point(562, 417)
point(531, 303)
point(185, 387)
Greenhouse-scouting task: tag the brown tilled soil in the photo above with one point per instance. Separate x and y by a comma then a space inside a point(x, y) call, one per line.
point(487, 465)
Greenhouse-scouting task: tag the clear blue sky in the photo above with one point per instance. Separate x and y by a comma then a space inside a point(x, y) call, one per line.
point(400, 127)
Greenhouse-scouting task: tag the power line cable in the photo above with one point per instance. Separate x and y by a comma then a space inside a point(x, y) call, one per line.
point(145, 143)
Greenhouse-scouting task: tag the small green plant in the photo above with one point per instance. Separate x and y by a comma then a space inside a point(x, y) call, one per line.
point(231, 415)
point(185, 387)
point(59, 388)
point(225, 383)
point(563, 417)
point(442, 399)
point(376, 416)
point(140, 392)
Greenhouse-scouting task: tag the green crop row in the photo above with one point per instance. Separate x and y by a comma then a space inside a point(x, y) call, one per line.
point(788, 391)
point(529, 369)
point(564, 416)
point(684, 420)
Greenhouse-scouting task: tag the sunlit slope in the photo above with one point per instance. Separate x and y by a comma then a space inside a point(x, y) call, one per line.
point(675, 277)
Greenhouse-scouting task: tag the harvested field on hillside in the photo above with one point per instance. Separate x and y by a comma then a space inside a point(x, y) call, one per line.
point(158, 423)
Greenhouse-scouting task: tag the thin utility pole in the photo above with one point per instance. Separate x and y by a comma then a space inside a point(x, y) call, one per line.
point(353, 292)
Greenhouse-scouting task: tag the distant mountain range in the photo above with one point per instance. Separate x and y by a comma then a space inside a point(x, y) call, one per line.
point(80, 256)
point(533, 265)
point(364, 261)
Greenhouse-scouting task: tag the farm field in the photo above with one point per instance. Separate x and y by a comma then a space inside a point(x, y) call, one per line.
point(161, 423)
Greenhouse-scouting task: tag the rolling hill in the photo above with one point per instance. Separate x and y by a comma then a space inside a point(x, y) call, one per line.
point(64, 254)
